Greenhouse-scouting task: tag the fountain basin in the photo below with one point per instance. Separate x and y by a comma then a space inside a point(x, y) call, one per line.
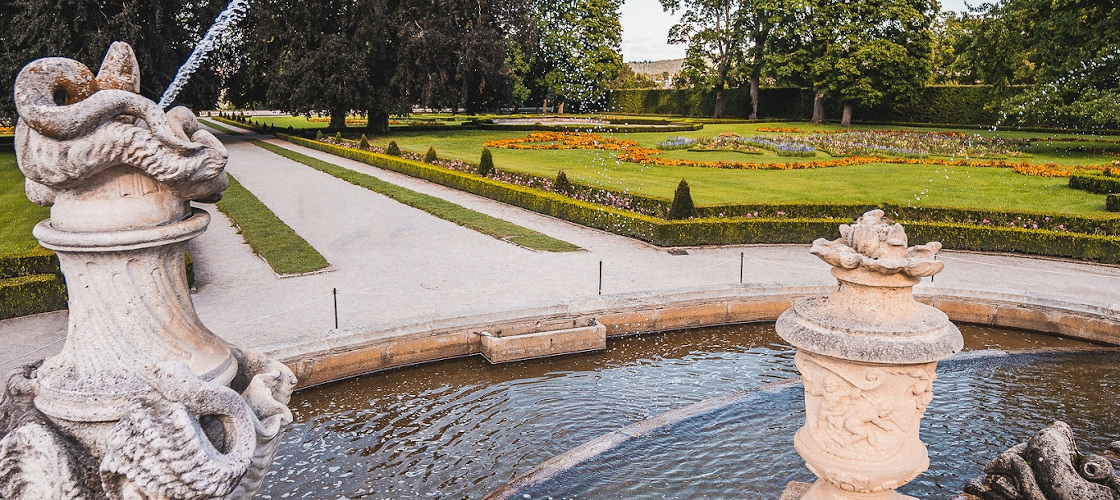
point(461, 428)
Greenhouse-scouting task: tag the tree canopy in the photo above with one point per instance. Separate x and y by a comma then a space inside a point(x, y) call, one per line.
point(162, 34)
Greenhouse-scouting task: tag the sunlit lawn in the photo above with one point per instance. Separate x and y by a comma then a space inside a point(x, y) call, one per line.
point(919, 185)
point(17, 214)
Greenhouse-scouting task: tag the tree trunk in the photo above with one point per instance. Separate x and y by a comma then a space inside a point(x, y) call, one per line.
point(338, 120)
point(378, 122)
point(847, 118)
point(560, 107)
point(718, 113)
point(754, 97)
point(818, 107)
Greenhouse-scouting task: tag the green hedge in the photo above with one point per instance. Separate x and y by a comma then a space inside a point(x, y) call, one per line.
point(922, 224)
point(1098, 183)
point(1112, 203)
point(32, 283)
point(38, 261)
point(33, 294)
point(953, 104)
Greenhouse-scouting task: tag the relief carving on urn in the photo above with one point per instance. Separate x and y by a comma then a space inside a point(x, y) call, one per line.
point(143, 401)
point(868, 355)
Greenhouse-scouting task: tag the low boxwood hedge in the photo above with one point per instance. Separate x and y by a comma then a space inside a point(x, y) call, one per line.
point(33, 294)
point(775, 223)
point(32, 283)
point(1112, 203)
point(1095, 182)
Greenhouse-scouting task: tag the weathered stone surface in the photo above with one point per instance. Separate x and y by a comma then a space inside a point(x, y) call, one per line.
point(868, 355)
point(1047, 467)
point(506, 348)
point(143, 401)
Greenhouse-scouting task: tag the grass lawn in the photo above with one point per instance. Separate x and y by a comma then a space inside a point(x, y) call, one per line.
point(17, 214)
point(916, 185)
point(443, 209)
point(284, 250)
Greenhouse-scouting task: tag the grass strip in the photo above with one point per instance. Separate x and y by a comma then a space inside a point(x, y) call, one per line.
point(215, 126)
point(498, 228)
point(284, 250)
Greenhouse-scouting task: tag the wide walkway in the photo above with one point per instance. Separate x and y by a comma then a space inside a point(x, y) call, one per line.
point(393, 264)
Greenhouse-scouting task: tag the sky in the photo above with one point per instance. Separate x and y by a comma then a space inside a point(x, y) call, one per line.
point(645, 26)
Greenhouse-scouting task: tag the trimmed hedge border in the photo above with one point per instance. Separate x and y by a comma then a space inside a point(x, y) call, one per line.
point(32, 283)
point(1112, 203)
point(33, 294)
point(1098, 183)
point(708, 230)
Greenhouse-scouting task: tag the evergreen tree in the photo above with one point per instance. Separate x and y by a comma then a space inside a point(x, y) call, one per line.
point(562, 184)
point(430, 156)
point(682, 207)
point(392, 149)
point(486, 163)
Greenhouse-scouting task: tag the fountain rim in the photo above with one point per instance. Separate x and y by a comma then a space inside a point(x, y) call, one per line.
point(600, 445)
point(354, 351)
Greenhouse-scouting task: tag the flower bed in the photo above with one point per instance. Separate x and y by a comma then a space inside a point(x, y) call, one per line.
point(781, 130)
point(727, 141)
point(1075, 237)
point(631, 151)
point(673, 143)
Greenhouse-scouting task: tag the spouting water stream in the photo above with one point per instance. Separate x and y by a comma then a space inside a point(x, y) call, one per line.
point(233, 13)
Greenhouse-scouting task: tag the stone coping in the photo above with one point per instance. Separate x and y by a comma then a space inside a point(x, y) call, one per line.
point(349, 352)
point(598, 446)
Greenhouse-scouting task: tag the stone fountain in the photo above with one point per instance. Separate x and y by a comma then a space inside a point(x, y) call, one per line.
point(867, 354)
point(143, 401)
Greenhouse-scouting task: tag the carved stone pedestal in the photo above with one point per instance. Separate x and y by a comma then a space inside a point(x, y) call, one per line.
point(867, 356)
point(143, 402)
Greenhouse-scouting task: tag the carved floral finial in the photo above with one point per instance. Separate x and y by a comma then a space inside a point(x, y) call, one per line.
point(876, 244)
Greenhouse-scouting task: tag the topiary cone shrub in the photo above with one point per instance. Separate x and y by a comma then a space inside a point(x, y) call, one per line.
point(392, 149)
point(485, 164)
point(338, 136)
point(683, 207)
point(318, 135)
point(430, 156)
point(364, 143)
point(562, 185)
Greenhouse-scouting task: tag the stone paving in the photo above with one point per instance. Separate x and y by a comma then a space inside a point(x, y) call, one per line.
point(393, 263)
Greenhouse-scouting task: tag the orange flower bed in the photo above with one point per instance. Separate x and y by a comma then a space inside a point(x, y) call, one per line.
point(563, 140)
point(629, 151)
point(7, 130)
point(781, 130)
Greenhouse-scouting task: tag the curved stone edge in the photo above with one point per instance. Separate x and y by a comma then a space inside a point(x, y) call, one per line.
point(604, 443)
point(349, 352)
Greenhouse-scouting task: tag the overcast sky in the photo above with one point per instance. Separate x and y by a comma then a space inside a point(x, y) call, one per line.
point(645, 27)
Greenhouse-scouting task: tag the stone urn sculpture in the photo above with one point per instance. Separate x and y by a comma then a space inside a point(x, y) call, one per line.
point(143, 401)
point(867, 354)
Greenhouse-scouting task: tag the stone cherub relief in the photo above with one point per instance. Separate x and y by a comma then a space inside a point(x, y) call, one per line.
point(143, 402)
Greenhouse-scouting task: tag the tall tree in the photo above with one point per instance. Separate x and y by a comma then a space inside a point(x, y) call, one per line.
point(711, 28)
point(576, 53)
point(162, 33)
point(1068, 52)
point(861, 52)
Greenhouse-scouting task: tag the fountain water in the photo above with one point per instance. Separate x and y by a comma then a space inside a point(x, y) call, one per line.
point(233, 13)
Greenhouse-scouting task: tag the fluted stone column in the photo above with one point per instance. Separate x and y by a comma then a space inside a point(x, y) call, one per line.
point(143, 401)
point(867, 354)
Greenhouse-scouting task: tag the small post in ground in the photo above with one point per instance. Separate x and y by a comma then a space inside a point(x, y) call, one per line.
point(335, 292)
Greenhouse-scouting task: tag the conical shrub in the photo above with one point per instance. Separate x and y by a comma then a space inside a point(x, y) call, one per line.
point(364, 143)
point(318, 135)
point(683, 207)
point(486, 163)
point(430, 156)
point(392, 149)
point(562, 185)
